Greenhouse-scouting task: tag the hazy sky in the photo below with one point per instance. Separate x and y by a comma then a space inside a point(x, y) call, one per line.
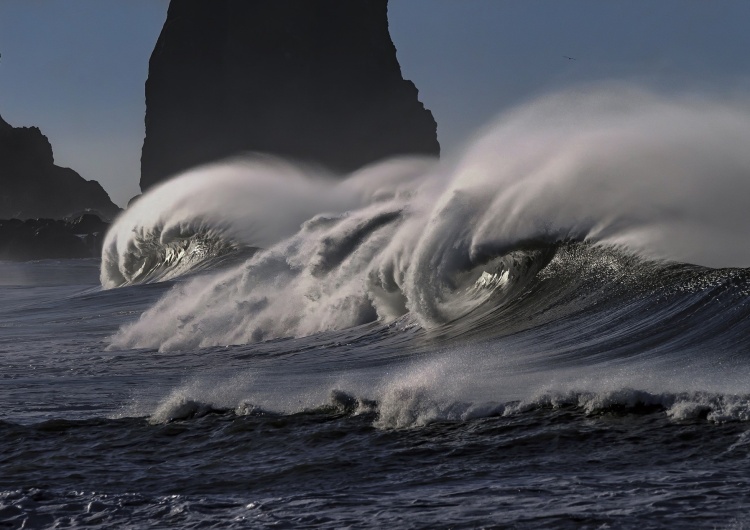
point(76, 68)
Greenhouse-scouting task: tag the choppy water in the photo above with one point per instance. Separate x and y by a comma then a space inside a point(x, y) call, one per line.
point(421, 345)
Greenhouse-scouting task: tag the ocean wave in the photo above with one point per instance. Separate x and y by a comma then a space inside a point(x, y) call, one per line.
point(157, 256)
point(239, 205)
point(564, 203)
point(415, 407)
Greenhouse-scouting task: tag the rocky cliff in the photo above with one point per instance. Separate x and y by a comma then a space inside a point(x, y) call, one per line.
point(31, 185)
point(311, 80)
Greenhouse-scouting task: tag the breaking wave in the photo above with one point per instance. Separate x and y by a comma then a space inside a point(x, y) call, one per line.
point(611, 185)
point(405, 408)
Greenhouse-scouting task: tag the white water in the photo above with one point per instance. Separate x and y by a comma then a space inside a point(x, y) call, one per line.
point(664, 177)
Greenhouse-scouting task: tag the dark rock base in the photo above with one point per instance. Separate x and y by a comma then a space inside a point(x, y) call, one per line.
point(35, 239)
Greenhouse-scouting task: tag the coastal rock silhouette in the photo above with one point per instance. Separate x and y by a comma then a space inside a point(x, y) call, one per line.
point(48, 211)
point(32, 186)
point(33, 239)
point(315, 81)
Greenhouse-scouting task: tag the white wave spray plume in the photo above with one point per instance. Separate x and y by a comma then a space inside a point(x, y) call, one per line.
point(253, 201)
point(663, 177)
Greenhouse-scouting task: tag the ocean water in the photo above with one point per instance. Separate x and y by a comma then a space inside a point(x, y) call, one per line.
point(549, 330)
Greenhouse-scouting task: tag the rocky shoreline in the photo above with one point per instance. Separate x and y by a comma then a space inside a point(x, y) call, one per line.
point(35, 239)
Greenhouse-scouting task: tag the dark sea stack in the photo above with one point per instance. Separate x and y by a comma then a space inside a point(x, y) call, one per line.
point(312, 80)
point(32, 186)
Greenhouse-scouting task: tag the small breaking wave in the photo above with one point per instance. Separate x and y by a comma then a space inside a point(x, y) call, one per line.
point(415, 407)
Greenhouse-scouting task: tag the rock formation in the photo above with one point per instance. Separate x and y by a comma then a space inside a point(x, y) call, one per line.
point(311, 80)
point(31, 185)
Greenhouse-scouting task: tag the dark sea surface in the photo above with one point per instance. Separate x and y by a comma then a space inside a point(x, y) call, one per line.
point(382, 424)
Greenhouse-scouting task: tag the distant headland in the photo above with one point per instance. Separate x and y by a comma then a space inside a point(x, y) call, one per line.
point(33, 186)
point(49, 211)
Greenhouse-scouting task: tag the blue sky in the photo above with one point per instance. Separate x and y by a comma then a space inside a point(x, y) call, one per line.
point(76, 68)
